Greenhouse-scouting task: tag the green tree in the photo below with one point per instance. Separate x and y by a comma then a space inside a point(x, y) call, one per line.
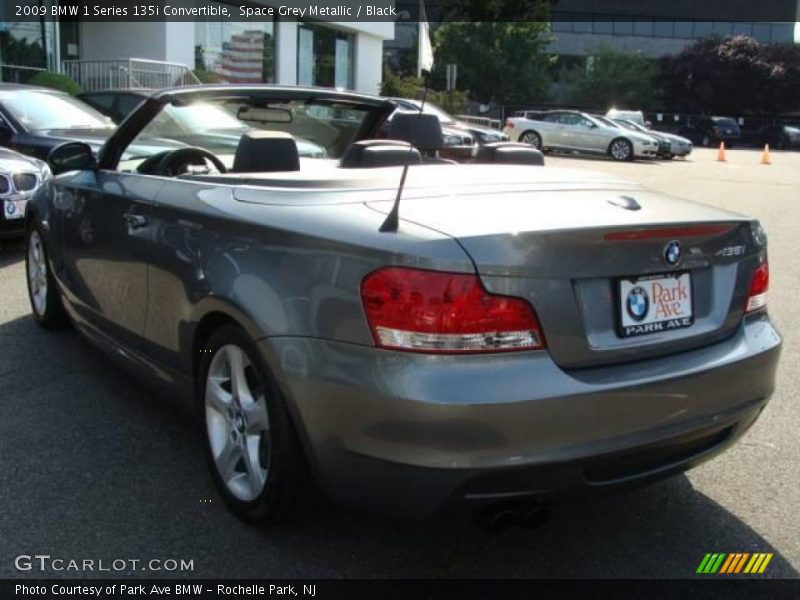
point(56, 81)
point(612, 78)
point(400, 86)
point(498, 61)
point(732, 75)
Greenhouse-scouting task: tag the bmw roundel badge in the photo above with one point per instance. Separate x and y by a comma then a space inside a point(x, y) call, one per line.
point(638, 303)
point(672, 253)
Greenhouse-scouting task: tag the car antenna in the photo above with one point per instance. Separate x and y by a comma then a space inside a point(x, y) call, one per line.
point(392, 221)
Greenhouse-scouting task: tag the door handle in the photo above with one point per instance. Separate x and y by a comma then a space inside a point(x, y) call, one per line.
point(135, 221)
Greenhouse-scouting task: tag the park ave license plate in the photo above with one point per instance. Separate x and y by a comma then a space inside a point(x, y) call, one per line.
point(14, 209)
point(655, 304)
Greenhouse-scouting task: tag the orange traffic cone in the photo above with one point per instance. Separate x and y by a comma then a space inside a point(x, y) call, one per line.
point(765, 157)
point(721, 152)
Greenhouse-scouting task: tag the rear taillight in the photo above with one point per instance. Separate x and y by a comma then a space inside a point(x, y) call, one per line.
point(435, 312)
point(510, 124)
point(759, 284)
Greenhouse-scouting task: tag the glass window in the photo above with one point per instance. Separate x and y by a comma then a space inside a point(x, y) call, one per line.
point(582, 23)
point(623, 27)
point(26, 46)
point(553, 118)
point(321, 129)
point(603, 27)
point(102, 101)
point(683, 29)
point(722, 28)
point(762, 32)
point(236, 52)
point(643, 27)
point(663, 29)
point(324, 56)
point(561, 22)
point(570, 119)
point(702, 29)
point(782, 33)
point(126, 103)
point(44, 111)
point(743, 29)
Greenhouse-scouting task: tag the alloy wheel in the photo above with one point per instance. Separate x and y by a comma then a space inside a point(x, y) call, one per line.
point(237, 423)
point(621, 150)
point(37, 273)
point(532, 138)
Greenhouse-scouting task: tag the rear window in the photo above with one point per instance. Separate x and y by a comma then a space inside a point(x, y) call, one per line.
point(724, 121)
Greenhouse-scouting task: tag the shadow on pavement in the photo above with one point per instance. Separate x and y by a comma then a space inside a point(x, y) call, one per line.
point(11, 251)
point(95, 466)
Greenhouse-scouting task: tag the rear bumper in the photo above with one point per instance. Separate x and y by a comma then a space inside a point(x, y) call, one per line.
point(406, 433)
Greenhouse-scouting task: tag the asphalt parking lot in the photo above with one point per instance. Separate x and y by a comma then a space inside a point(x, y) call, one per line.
point(94, 466)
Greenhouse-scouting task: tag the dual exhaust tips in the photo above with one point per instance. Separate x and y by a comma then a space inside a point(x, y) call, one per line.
point(523, 514)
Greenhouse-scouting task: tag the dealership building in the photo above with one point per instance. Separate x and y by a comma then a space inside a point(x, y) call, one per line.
point(98, 54)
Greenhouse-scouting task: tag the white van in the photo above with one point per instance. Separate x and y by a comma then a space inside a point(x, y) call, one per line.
point(630, 115)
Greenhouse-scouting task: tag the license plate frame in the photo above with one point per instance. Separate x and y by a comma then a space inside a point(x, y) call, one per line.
point(14, 209)
point(650, 324)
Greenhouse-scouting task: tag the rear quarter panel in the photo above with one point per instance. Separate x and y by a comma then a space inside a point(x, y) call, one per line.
point(277, 270)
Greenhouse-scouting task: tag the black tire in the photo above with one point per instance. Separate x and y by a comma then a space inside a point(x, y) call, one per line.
point(533, 138)
point(615, 150)
point(48, 307)
point(285, 467)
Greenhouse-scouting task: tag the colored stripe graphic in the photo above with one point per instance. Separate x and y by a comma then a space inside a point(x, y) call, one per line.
point(727, 564)
point(711, 563)
point(734, 563)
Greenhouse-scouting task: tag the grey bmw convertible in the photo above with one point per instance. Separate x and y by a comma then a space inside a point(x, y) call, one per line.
point(405, 332)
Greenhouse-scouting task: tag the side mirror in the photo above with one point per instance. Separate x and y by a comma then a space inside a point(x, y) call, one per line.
point(71, 156)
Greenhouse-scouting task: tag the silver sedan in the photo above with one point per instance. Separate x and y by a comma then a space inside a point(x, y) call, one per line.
point(573, 131)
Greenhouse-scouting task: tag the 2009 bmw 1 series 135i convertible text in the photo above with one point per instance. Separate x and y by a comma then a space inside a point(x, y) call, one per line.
point(518, 331)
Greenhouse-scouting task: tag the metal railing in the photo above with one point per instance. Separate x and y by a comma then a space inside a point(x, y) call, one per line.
point(484, 121)
point(93, 75)
point(18, 73)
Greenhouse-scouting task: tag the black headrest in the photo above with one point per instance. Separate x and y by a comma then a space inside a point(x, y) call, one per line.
point(510, 153)
point(266, 152)
point(379, 153)
point(420, 130)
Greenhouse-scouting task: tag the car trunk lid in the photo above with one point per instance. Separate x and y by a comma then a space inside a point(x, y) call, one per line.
point(567, 250)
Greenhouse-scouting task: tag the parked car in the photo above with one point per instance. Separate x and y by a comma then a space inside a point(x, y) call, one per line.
point(710, 131)
point(455, 131)
point(664, 147)
point(34, 120)
point(459, 144)
point(636, 116)
point(20, 177)
point(573, 131)
point(780, 137)
point(115, 104)
point(495, 331)
point(482, 135)
point(677, 145)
